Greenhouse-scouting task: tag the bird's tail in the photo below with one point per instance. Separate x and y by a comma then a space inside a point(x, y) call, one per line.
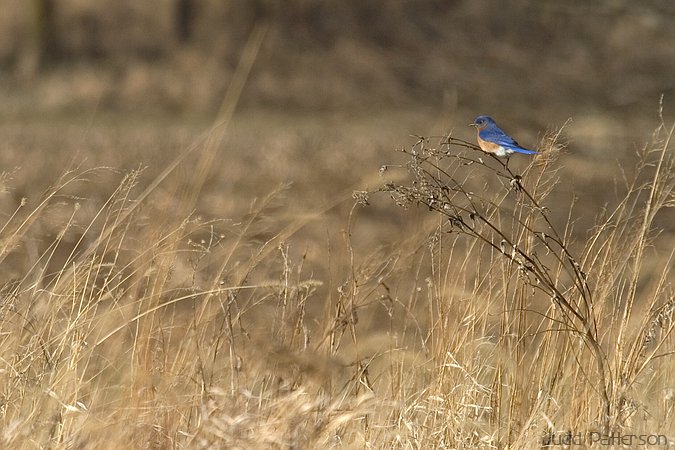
point(525, 151)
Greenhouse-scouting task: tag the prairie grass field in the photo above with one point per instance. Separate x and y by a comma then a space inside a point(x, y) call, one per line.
point(281, 234)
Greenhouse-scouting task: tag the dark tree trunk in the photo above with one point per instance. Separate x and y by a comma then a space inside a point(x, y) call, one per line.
point(46, 35)
point(185, 14)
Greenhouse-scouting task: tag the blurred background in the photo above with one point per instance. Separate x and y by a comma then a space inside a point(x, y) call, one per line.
point(533, 62)
point(177, 55)
point(335, 84)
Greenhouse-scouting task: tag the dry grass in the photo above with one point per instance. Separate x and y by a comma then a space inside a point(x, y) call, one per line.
point(484, 328)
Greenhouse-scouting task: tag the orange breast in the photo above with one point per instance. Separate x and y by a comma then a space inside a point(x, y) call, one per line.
point(488, 147)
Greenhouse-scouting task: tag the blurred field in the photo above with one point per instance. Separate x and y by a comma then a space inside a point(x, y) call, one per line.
point(184, 271)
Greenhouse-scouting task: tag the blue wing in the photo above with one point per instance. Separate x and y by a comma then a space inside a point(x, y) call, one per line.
point(497, 135)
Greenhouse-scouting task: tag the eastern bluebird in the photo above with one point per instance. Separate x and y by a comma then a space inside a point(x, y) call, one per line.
point(492, 139)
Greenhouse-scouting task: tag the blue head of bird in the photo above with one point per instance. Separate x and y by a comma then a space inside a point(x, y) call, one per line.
point(482, 122)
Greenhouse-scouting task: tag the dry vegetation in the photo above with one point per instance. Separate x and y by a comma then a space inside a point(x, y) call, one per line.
point(262, 285)
point(488, 327)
